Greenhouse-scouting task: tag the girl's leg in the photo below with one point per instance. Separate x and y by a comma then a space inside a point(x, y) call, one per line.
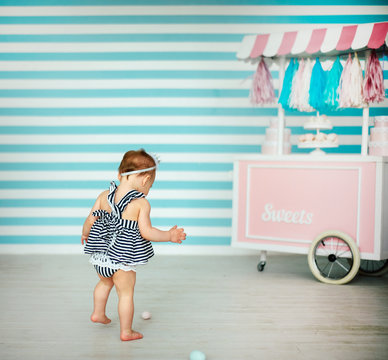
point(125, 284)
point(101, 294)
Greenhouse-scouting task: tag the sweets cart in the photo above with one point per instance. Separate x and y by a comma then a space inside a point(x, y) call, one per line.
point(334, 208)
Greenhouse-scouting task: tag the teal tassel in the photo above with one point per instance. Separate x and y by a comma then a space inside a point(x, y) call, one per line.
point(284, 98)
point(317, 87)
point(331, 93)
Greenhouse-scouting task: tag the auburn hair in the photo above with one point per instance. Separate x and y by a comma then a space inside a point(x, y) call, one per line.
point(137, 160)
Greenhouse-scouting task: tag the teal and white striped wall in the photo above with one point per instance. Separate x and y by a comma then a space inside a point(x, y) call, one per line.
point(81, 82)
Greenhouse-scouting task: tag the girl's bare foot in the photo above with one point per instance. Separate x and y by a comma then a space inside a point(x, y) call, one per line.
point(132, 335)
point(100, 319)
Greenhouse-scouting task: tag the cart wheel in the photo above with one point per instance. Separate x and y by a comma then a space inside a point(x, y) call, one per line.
point(373, 268)
point(261, 265)
point(334, 258)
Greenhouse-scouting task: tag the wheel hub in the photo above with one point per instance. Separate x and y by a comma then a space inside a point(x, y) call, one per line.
point(332, 258)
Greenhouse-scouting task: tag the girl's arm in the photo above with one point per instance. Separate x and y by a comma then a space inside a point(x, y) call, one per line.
point(151, 233)
point(91, 219)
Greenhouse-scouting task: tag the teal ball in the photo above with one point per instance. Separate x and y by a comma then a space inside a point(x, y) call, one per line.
point(197, 355)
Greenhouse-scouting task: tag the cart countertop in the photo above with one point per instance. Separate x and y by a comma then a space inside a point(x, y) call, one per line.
point(317, 158)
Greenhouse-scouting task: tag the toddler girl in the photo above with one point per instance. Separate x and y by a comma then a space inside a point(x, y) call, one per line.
point(117, 235)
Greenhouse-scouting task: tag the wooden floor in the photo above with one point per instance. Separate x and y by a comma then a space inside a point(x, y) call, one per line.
point(220, 305)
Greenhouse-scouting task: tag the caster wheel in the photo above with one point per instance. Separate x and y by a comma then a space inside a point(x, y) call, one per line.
point(334, 258)
point(260, 266)
point(373, 268)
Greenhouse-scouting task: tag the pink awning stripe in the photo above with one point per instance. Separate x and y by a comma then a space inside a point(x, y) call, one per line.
point(316, 41)
point(287, 43)
point(259, 45)
point(331, 40)
point(346, 38)
point(379, 33)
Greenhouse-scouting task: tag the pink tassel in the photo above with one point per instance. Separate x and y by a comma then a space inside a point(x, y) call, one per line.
point(351, 84)
point(344, 90)
point(262, 91)
point(373, 87)
point(356, 98)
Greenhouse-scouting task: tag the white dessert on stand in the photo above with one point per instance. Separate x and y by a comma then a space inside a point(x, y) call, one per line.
point(269, 146)
point(378, 144)
point(318, 140)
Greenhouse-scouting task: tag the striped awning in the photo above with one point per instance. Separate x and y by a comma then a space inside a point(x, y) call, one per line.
point(325, 41)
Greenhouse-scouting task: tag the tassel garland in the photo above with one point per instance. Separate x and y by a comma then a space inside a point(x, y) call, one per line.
point(373, 87)
point(262, 91)
point(306, 88)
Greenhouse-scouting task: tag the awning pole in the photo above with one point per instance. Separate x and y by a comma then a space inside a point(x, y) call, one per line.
point(365, 121)
point(365, 131)
point(282, 66)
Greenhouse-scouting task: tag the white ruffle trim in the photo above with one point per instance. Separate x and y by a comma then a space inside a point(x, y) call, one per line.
point(105, 261)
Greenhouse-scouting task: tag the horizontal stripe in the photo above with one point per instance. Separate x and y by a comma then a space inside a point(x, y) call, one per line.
point(187, 10)
point(122, 148)
point(127, 65)
point(236, 149)
point(134, 93)
point(63, 130)
point(257, 28)
point(117, 103)
point(71, 239)
point(148, 121)
point(184, 2)
point(130, 139)
point(91, 193)
point(136, 74)
point(146, 111)
point(135, 139)
point(43, 212)
point(75, 230)
point(54, 221)
point(74, 203)
point(97, 157)
point(118, 56)
point(74, 38)
point(184, 111)
point(109, 166)
point(119, 47)
point(90, 184)
point(193, 130)
point(115, 84)
point(149, 74)
point(194, 19)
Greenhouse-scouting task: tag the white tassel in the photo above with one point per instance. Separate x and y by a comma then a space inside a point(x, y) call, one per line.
point(296, 85)
point(303, 101)
point(356, 82)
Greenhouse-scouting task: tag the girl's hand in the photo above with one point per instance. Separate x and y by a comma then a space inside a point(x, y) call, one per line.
point(84, 239)
point(177, 235)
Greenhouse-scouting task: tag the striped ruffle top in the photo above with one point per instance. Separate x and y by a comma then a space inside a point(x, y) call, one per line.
point(115, 242)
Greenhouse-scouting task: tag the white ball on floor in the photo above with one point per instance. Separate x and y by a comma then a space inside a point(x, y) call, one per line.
point(197, 355)
point(146, 315)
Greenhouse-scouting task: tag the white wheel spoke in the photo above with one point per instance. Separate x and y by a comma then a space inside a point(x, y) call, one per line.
point(343, 267)
point(331, 267)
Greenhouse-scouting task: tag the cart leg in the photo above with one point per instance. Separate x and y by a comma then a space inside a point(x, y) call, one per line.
point(263, 260)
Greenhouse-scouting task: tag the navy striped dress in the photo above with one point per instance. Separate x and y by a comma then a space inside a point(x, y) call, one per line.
point(114, 242)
